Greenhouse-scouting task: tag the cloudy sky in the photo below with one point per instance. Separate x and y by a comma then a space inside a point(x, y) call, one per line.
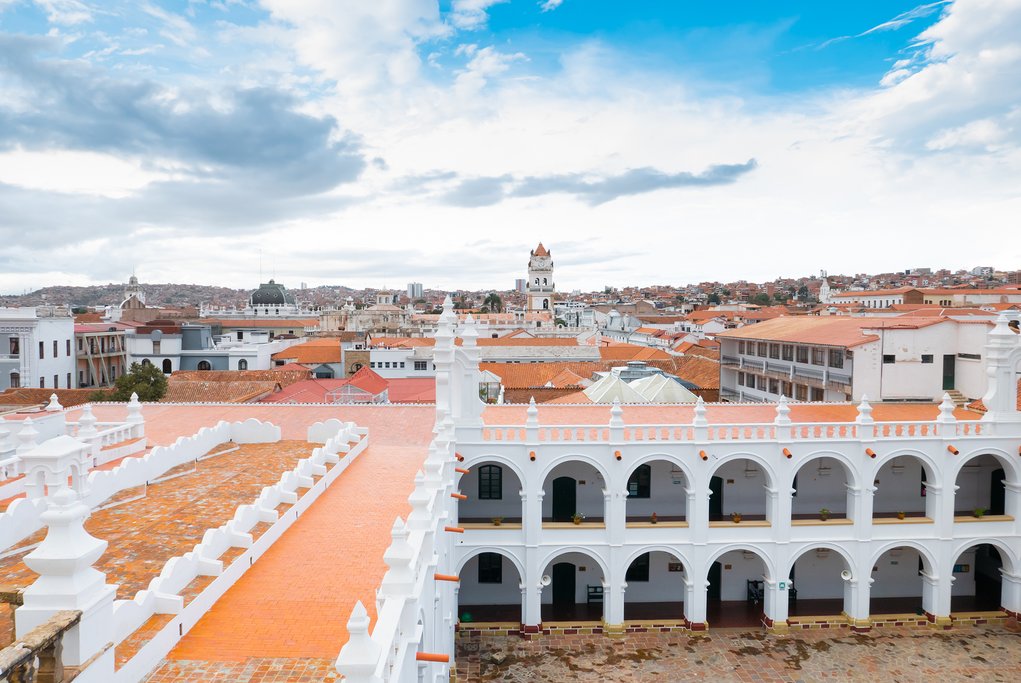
point(377, 143)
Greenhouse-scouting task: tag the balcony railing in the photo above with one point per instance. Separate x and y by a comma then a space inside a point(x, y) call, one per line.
point(36, 658)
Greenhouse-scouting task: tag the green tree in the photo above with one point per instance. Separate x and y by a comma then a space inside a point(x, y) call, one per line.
point(761, 299)
point(714, 298)
point(493, 302)
point(145, 380)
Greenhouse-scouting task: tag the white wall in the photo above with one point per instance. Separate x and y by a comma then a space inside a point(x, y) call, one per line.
point(591, 576)
point(663, 585)
point(819, 577)
point(816, 491)
point(471, 592)
point(896, 576)
point(742, 493)
point(508, 506)
point(899, 492)
point(589, 488)
point(667, 495)
point(48, 330)
point(734, 581)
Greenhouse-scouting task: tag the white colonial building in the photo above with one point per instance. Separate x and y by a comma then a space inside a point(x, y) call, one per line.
point(37, 348)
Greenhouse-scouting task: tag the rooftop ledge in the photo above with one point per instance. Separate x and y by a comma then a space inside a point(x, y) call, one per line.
point(984, 518)
point(749, 522)
point(643, 525)
point(572, 525)
point(906, 520)
point(819, 522)
point(490, 525)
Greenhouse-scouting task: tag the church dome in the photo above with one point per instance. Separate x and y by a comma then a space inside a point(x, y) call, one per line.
point(271, 294)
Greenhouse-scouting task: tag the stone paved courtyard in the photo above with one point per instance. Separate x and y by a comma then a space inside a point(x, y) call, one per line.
point(983, 653)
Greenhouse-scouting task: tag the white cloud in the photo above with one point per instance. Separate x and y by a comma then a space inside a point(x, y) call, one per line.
point(471, 14)
point(66, 12)
point(68, 171)
point(550, 5)
point(483, 65)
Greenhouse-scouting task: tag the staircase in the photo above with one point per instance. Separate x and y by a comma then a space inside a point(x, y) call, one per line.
point(959, 399)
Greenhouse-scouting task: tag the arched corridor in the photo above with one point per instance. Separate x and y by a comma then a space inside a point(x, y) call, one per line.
point(897, 586)
point(736, 592)
point(494, 494)
point(574, 491)
point(576, 589)
point(489, 590)
point(978, 582)
point(818, 587)
point(655, 587)
point(658, 488)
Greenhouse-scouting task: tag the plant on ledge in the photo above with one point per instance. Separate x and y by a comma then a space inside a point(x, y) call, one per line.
point(824, 514)
point(735, 517)
point(979, 512)
point(653, 519)
point(497, 521)
point(901, 515)
point(577, 518)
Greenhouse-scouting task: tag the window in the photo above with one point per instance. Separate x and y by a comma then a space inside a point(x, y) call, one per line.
point(639, 569)
point(14, 344)
point(926, 357)
point(372, 363)
point(56, 384)
point(640, 482)
point(241, 335)
point(490, 482)
point(740, 379)
point(81, 378)
point(774, 386)
point(146, 361)
point(801, 392)
point(490, 568)
point(69, 377)
point(402, 365)
point(42, 382)
point(817, 394)
point(774, 351)
point(787, 352)
point(420, 365)
point(818, 356)
point(888, 358)
point(156, 348)
point(167, 366)
point(788, 389)
point(242, 364)
point(762, 384)
point(42, 350)
point(740, 347)
point(802, 354)
point(68, 346)
point(15, 380)
point(55, 351)
point(836, 358)
point(970, 356)
point(760, 349)
point(204, 365)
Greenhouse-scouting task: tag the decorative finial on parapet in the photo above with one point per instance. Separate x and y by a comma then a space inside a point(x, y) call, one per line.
point(54, 405)
point(864, 411)
point(134, 410)
point(532, 415)
point(700, 414)
point(27, 436)
point(420, 519)
point(469, 333)
point(946, 410)
point(616, 415)
point(783, 412)
point(399, 578)
point(360, 655)
point(87, 423)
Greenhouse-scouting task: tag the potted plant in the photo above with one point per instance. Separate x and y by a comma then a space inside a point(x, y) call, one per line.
point(497, 521)
point(824, 514)
point(653, 519)
point(979, 512)
point(901, 515)
point(577, 517)
point(735, 517)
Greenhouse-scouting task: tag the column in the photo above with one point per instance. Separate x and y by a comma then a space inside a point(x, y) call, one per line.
point(940, 509)
point(776, 604)
point(698, 512)
point(1010, 597)
point(936, 593)
point(862, 499)
point(859, 589)
point(615, 511)
point(531, 521)
point(531, 592)
point(695, 600)
point(780, 501)
point(613, 604)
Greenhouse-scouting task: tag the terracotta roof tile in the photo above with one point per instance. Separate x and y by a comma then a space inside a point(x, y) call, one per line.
point(828, 330)
point(218, 392)
point(312, 352)
point(703, 372)
point(27, 396)
point(282, 375)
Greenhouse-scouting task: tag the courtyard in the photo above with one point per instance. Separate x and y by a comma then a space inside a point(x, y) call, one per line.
point(901, 654)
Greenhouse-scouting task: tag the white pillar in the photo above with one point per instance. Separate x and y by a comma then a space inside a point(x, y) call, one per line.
point(775, 603)
point(936, 591)
point(856, 598)
point(863, 499)
point(1010, 597)
point(695, 599)
point(613, 603)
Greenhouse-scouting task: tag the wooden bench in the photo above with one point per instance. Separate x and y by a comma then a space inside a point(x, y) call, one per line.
point(595, 594)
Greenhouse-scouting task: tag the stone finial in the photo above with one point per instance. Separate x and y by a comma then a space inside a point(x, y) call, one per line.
point(54, 405)
point(420, 519)
point(946, 410)
point(134, 410)
point(700, 414)
point(28, 436)
point(864, 411)
point(532, 415)
point(400, 577)
point(469, 333)
point(359, 657)
point(783, 412)
point(616, 415)
point(87, 423)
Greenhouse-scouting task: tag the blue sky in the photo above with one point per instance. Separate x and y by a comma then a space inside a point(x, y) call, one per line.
point(369, 143)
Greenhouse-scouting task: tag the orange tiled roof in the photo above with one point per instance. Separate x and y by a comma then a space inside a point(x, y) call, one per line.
point(703, 372)
point(566, 378)
point(541, 250)
point(283, 375)
point(218, 392)
point(626, 352)
point(312, 352)
point(828, 330)
point(27, 396)
point(88, 318)
point(245, 323)
point(368, 380)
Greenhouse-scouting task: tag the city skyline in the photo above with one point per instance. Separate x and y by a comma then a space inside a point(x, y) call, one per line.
point(638, 142)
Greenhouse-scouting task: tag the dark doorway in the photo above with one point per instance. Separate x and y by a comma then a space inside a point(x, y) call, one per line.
point(997, 493)
point(716, 499)
point(715, 576)
point(949, 369)
point(565, 499)
point(168, 367)
point(563, 584)
point(988, 580)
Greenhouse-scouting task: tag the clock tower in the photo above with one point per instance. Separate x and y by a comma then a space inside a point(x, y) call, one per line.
point(540, 280)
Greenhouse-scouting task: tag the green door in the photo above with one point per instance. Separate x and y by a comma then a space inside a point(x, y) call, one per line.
point(949, 369)
point(716, 499)
point(563, 584)
point(715, 576)
point(565, 499)
point(997, 493)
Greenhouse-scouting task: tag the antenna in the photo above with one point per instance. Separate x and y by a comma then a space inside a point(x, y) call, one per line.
point(260, 265)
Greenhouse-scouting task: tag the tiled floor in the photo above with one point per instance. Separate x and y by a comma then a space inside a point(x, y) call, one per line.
point(889, 654)
point(251, 670)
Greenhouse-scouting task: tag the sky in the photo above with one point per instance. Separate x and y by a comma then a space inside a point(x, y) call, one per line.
point(371, 144)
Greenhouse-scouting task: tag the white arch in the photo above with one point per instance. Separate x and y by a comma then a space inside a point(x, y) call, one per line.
point(1011, 468)
point(928, 561)
point(850, 468)
point(573, 457)
point(657, 549)
point(1006, 552)
point(554, 554)
point(762, 555)
point(672, 459)
point(504, 461)
point(808, 547)
point(932, 470)
point(767, 467)
point(505, 552)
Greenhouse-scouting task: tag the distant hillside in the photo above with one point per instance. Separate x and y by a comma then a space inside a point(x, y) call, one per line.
point(112, 294)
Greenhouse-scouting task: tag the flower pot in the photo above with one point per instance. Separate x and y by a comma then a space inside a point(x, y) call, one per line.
point(735, 518)
point(901, 515)
point(576, 521)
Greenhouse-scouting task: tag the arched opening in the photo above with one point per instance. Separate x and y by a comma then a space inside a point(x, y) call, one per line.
point(901, 490)
point(242, 364)
point(168, 367)
point(739, 487)
point(489, 589)
point(494, 496)
point(817, 584)
point(545, 304)
point(736, 592)
point(656, 493)
point(146, 362)
point(897, 582)
point(978, 583)
point(573, 493)
point(575, 591)
point(204, 365)
point(981, 487)
point(821, 491)
point(655, 587)
point(15, 380)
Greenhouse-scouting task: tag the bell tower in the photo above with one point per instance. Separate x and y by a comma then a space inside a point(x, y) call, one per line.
point(540, 280)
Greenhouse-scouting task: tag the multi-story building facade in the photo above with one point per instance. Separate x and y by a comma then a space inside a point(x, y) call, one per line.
point(540, 279)
point(36, 348)
point(951, 298)
point(101, 353)
point(173, 346)
point(841, 358)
